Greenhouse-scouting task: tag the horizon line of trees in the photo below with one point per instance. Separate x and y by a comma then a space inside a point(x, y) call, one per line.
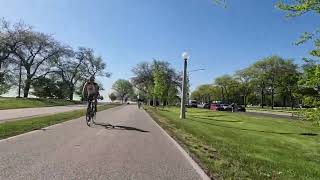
point(272, 81)
point(47, 68)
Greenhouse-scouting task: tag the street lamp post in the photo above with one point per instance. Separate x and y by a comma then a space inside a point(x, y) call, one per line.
point(185, 57)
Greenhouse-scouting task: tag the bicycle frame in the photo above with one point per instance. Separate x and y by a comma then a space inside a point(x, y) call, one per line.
point(91, 112)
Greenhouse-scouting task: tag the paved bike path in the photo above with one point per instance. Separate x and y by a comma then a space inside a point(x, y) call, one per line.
point(135, 149)
point(14, 114)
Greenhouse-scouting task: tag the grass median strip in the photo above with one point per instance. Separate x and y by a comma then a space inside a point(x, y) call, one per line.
point(15, 103)
point(13, 128)
point(238, 146)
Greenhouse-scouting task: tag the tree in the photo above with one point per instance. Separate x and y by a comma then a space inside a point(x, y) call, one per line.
point(244, 77)
point(44, 87)
point(206, 93)
point(273, 73)
point(144, 80)
point(11, 37)
point(35, 53)
point(50, 88)
point(227, 84)
point(160, 84)
point(122, 88)
point(76, 67)
point(309, 83)
point(112, 97)
point(287, 83)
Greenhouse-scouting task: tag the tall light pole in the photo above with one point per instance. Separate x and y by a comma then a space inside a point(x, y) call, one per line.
point(185, 57)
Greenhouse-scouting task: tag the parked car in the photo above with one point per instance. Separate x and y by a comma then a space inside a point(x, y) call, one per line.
point(193, 103)
point(241, 109)
point(224, 107)
point(201, 105)
point(204, 105)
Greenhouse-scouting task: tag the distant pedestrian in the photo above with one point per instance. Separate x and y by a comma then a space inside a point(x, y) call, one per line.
point(232, 107)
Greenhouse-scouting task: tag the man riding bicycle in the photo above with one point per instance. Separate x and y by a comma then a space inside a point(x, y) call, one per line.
point(90, 91)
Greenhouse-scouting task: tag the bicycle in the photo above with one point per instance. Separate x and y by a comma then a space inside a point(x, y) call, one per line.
point(91, 112)
point(139, 104)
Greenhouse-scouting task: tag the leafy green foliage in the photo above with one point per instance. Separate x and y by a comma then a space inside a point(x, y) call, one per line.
point(157, 80)
point(206, 93)
point(123, 89)
point(5, 85)
point(112, 97)
point(298, 8)
point(228, 87)
point(312, 115)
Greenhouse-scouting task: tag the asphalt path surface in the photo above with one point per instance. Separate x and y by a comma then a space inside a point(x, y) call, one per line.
point(127, 144)
point(15, 114)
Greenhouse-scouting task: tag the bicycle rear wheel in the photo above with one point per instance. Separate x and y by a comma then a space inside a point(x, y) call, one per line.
point(89, 117)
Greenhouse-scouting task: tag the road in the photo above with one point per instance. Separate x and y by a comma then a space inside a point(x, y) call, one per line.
point(14, 114)
point(136, 148)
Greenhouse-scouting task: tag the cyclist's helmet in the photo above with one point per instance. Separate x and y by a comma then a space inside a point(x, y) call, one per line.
point(91, 79)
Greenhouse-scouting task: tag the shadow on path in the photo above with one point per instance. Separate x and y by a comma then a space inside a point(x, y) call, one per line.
point(262, 131)
point(117, 127)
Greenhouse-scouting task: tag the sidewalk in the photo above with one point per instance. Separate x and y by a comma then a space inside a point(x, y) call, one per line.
point(15, 114)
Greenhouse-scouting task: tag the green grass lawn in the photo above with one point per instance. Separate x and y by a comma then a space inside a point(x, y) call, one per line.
point(13, 128)
point(14, 103)
point(237, 146)
point(276, 109)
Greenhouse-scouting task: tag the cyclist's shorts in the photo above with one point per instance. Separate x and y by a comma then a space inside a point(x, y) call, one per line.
point(92, 97)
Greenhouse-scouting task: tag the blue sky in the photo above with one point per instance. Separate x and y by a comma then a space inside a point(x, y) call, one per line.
point(126, 32)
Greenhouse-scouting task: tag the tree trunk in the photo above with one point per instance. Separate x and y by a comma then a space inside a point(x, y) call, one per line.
point(27, 87)
point(227, 95)
point(284, 100)
point(272, 98)
point(71, 96)
point(154, 101)
point(222, 94)
point(262, 98)
point(245, 100)
point(71, 91)
point(292, 100)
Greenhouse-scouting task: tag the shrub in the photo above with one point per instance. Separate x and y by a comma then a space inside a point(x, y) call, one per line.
point(312, 115)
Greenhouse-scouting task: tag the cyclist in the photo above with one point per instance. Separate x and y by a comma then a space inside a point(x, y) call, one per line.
point(139, 101)
point(90, 91)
